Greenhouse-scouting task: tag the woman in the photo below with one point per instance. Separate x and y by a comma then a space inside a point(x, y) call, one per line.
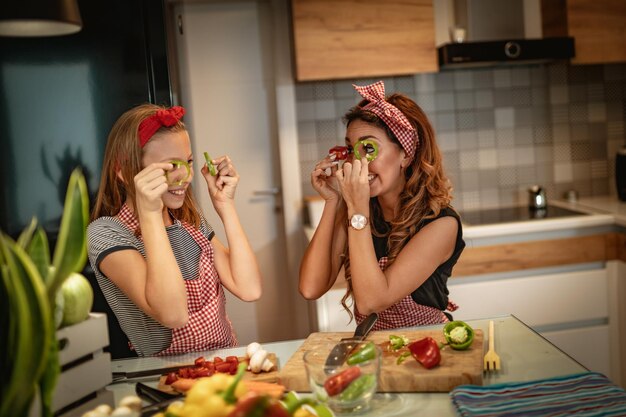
point(387, 217)
point(156, 259)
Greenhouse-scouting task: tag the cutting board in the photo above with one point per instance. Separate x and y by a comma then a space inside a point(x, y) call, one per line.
point(457, 367)
point(271, 377)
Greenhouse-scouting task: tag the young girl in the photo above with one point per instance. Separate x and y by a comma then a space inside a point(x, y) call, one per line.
point(387, 217)
point(156, 259)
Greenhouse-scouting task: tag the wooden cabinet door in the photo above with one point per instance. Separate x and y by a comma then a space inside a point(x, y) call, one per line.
point(335, 39)
point(598, 27)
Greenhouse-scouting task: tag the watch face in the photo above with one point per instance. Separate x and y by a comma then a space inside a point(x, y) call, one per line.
point(358, 221)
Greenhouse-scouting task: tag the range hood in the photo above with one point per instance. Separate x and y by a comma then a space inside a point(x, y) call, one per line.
point(474, 33)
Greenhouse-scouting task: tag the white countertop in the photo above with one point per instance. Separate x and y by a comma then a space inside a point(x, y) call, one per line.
point(606, 204)
point(525, 356)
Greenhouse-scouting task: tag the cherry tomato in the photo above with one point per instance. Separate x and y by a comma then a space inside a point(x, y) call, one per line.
point(171, 377)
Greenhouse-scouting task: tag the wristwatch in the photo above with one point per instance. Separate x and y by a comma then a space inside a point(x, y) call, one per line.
point(358, 221)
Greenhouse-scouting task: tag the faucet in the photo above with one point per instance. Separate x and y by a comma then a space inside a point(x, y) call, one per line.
point(537, 197)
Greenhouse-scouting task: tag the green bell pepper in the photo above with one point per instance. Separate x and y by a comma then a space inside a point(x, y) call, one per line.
point(177, 164)
point(209, 164)
point(397, 342)
point(459, 335)
point(358, 387)
point(367, 144)
point(366, 353)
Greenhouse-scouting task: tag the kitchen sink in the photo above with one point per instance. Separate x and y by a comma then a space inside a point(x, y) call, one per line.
point(515, 214)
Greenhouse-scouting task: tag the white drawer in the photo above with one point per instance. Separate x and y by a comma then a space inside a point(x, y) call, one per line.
point(537, 300)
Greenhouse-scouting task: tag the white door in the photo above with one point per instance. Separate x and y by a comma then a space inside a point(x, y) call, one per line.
point(225, 63)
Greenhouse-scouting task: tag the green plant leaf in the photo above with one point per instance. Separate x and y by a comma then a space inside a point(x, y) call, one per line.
point(31, 313)
point(70, 253)
point(24, 239)
point(50, 375)
point(39, 252)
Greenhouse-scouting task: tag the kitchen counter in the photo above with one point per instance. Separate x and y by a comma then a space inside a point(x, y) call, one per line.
point(525, 356)
point(610, 205)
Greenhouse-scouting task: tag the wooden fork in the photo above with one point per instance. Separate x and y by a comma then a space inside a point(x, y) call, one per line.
point(491, 361)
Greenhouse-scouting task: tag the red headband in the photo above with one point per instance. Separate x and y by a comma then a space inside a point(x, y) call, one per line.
point(391, 115)
point(163, 117)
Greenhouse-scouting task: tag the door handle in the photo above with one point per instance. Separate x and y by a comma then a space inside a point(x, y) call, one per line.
point(269, 191)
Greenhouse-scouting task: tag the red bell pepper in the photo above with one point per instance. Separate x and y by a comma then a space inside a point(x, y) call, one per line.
point(426, 351)
point(337, 383)
point(338, 153)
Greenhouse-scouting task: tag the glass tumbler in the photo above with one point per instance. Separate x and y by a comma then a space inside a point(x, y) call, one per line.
point(345, 388)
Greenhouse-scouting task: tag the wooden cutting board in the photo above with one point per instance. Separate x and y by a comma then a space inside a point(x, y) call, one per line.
point(457, 367)
point(271, 377)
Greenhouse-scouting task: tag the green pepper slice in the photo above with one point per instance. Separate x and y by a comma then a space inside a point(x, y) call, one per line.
point(397, 342)
point(366, 353)
point(177, 164)
point(358, 387)
point(366, 144)
point(210, 165)
point(458, 334)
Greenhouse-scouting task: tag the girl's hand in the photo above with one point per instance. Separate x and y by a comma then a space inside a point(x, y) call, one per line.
point(326, 185)
point(150, 185)
point(223, 185)
point(354, 185)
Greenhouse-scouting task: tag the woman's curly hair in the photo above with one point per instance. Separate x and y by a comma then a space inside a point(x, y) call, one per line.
point(427, 190)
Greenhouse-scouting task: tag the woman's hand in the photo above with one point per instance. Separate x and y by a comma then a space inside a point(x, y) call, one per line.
point(326, 185)
point(223, 185)
point(150, 185)
point(354, 184)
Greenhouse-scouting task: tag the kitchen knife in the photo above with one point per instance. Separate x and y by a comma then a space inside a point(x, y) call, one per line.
point(338, 354)
point(125, 376)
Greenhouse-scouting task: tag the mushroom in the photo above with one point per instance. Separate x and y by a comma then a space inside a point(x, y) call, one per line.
point(267, 365)
point(257, 360)
point(252, 348)
point(131, 401)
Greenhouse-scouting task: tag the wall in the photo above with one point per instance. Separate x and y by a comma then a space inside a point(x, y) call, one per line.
point(500, 129)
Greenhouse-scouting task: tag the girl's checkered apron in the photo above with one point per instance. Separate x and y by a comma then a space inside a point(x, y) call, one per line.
point(208, 327)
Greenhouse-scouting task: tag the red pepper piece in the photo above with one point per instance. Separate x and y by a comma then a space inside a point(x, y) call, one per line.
point(232, 359)
point(217, 360)
point(199, 362)
point(337, 383)
point(426, 351)
point(223, 367)
point(338, 153)
point(171, 377)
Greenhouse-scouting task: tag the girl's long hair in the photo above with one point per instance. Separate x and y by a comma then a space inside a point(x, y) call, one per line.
point(123, 155)
point(426, 192)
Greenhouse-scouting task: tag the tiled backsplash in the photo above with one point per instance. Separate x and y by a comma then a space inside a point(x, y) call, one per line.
point(500, 129)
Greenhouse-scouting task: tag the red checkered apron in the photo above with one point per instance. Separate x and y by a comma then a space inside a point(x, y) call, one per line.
point(208, 327)
point(406, 312)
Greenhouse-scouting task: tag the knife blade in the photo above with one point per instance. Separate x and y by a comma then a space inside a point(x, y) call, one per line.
point(125, 376)
point(340, 351)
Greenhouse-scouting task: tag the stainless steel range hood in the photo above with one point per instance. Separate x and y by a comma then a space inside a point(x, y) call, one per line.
point(494, 32)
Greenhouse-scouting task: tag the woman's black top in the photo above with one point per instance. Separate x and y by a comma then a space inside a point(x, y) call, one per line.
point(434, 291)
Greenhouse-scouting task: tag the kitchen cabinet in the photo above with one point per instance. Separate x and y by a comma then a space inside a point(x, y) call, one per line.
point(564, 288)
point(597, 27)
point(338, 39)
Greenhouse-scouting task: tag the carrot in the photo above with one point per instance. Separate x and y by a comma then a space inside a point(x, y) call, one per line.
point(260, 387)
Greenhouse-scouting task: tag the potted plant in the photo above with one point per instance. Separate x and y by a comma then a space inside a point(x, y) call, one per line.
point(29, 283)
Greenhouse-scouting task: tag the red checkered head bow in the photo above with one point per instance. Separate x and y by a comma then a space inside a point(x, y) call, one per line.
point(391, 115)
point(163, 117)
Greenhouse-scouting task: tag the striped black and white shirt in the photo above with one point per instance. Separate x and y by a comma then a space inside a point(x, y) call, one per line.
point(109, 234)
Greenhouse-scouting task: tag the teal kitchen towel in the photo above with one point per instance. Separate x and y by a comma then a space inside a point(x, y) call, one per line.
point(586, 394)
